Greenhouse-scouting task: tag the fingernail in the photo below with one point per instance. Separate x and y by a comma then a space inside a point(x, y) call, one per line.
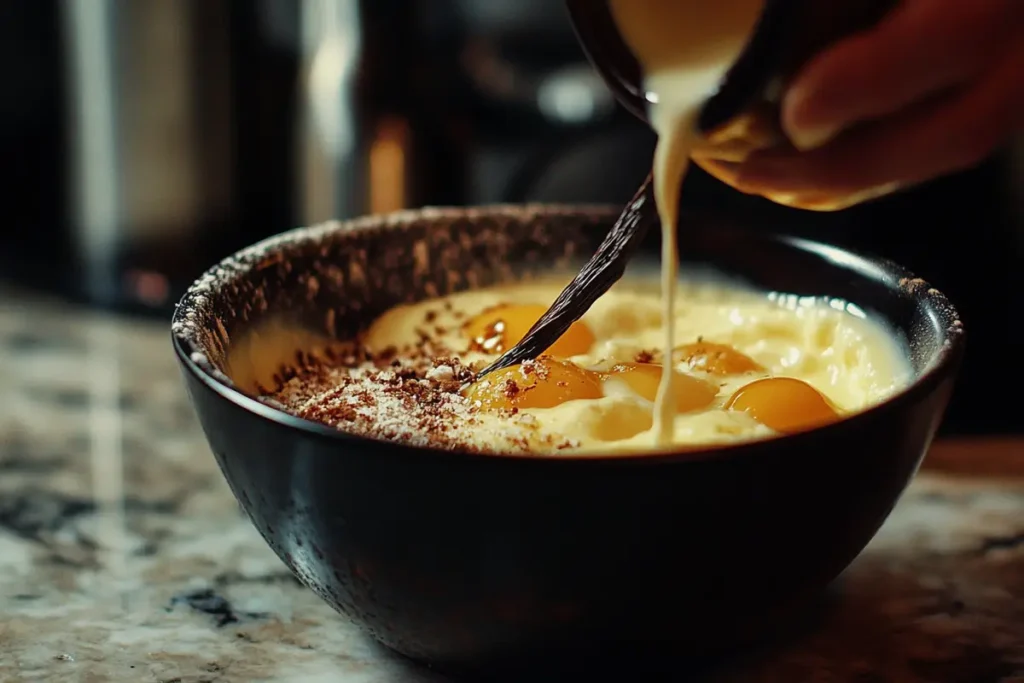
point(801, 105)
point(812, 137)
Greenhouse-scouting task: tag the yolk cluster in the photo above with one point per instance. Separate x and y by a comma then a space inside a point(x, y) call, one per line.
point(499, 328)
point(784, 404)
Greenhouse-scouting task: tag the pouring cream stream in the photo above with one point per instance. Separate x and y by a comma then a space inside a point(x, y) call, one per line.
point(685, 48)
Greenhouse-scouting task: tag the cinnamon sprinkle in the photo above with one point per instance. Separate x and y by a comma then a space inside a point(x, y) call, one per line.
point(511, 389)
point(644, 357)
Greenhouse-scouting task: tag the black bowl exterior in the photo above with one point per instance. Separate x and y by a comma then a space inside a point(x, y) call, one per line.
point(476, 561)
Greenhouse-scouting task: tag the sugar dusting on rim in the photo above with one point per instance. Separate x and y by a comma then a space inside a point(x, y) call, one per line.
point(916, 286)
point(948, 315)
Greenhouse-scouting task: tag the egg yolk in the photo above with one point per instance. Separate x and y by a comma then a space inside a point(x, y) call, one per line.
point(543, 383)
point(716, 359)
point(643, 378)
point(785, 404)
point(549, 382)
point(499, 328)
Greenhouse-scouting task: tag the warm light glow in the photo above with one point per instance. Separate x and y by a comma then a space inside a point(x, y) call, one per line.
point(388, 166)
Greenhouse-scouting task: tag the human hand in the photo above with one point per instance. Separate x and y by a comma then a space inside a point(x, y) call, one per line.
point(934, 88)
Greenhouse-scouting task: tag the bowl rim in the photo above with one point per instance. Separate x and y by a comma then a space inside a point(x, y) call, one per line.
point(946, 359)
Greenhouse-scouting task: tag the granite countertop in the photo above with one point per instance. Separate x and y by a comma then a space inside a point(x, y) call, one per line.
point(123, 556)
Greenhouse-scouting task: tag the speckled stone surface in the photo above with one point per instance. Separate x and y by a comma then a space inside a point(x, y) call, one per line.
point(123, 556)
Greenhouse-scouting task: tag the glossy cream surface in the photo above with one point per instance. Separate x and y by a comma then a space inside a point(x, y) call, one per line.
point(829, 345)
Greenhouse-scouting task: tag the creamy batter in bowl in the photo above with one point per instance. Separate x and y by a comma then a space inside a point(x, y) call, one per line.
point(752, 365)
point(470, 560)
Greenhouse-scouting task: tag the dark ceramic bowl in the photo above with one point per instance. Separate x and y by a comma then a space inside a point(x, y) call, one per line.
point(473, 561)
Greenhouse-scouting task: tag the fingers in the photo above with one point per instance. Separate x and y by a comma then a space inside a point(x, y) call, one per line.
point(923, 47)
point(947, 134)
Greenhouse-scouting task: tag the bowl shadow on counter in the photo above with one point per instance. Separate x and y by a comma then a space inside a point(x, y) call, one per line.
point(473, 563)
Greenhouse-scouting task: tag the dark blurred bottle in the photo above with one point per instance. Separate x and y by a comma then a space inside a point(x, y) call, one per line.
point(149, 142)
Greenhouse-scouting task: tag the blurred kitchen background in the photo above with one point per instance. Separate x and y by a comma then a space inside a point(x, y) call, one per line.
point(146, 139)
